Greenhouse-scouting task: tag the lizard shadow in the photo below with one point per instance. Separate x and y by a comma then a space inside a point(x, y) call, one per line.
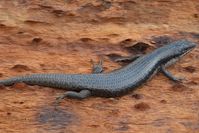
point(55, 118)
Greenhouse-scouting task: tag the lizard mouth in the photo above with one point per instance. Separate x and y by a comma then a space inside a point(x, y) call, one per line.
point(172, 61)
point(187, 51)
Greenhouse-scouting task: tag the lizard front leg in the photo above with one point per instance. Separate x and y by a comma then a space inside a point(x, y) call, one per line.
point(169, 75)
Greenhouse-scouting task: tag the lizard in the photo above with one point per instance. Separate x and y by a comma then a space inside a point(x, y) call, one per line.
point(111, 84)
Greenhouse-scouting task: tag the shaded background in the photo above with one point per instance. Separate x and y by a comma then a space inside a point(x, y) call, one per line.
point(62, 36)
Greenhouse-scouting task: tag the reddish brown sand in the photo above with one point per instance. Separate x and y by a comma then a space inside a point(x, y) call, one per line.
point(62, 36)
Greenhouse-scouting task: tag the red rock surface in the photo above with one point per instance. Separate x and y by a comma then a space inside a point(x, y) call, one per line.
point(45, 36)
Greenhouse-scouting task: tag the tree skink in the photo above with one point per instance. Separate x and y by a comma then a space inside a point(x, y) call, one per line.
point(111, 84)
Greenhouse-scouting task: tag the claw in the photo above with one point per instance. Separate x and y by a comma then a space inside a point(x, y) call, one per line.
point(59, 99)
point(180, 80)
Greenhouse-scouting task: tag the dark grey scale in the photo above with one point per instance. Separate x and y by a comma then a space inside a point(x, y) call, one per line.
point(115, 83)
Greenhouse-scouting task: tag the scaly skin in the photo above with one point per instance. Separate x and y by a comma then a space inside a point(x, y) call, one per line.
point(114, 83)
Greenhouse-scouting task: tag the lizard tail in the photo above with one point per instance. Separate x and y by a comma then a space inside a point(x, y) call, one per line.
point(9, 82)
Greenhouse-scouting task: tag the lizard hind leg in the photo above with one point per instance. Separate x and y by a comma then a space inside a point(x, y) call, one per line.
point(97, 68)
point(74, 95)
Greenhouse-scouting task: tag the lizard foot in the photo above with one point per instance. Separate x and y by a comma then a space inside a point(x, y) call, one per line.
point(73, 95)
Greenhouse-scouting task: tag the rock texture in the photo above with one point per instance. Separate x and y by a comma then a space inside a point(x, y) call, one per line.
point(62, 36)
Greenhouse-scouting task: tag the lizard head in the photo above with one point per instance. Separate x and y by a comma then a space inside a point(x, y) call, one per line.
point(179, 48)
point(183, 47)
point(175, 50)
